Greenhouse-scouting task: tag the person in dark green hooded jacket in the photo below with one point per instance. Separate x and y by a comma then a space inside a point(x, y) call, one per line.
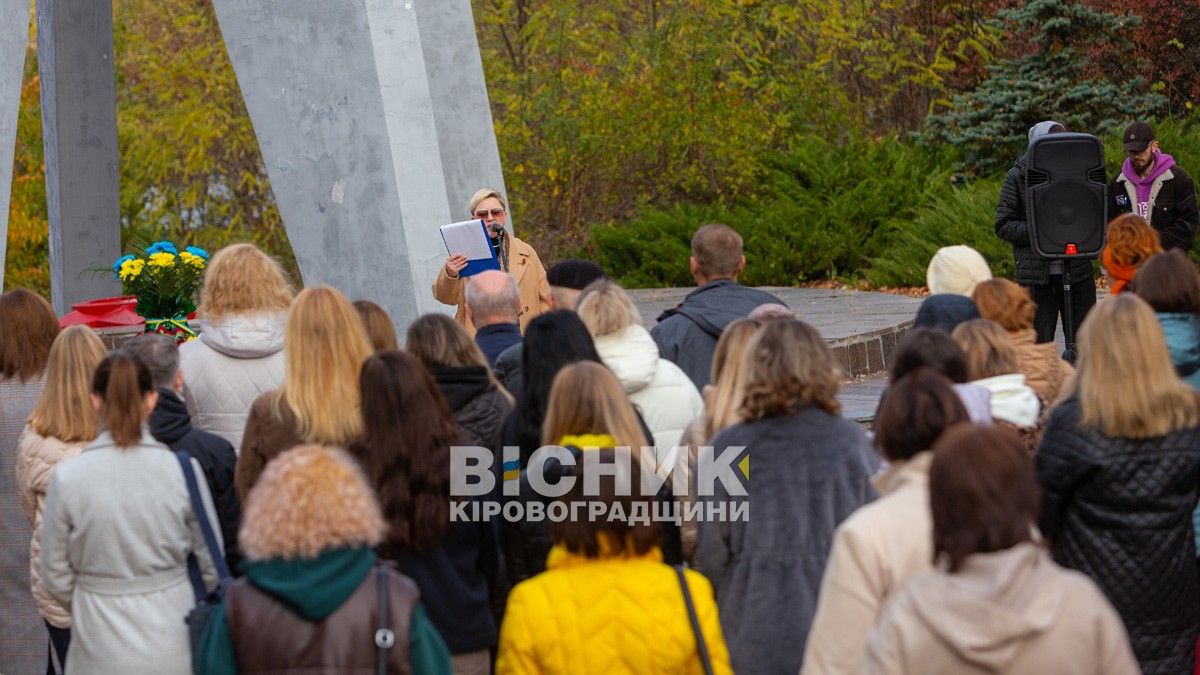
point(310, 598)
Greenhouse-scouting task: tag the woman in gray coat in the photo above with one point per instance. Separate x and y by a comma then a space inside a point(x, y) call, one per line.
point(812, 469)
point(116, 533)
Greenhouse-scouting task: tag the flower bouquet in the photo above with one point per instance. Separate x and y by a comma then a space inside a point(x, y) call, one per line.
point(165, 282)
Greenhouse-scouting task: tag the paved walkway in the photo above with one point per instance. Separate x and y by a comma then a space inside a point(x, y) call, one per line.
point(844, 318)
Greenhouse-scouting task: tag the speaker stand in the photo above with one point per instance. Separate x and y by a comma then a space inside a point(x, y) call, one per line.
point(1068, 324)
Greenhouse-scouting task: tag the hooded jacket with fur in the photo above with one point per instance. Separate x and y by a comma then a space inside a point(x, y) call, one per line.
point(1169, 196)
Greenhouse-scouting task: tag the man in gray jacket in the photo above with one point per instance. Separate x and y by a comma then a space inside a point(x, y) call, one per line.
point(687, 335)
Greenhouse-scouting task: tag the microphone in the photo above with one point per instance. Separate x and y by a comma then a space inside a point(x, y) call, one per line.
point(496, 227)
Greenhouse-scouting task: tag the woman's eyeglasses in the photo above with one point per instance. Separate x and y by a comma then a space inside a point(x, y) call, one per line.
point(483, 213)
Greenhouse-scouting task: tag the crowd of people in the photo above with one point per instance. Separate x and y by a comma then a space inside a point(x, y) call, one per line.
point(1007, 512)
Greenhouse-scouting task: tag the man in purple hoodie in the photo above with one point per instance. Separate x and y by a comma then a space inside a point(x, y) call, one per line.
point(1152, 186)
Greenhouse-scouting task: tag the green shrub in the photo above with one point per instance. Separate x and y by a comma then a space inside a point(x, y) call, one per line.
point(960, 216)
point(816, 214)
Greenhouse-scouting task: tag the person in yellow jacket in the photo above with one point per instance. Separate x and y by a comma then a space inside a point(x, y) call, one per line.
point(515, 256)
point(606, 604)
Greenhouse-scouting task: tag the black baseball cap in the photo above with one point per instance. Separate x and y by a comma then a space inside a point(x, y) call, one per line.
point(1137, 136)
point(574, 273)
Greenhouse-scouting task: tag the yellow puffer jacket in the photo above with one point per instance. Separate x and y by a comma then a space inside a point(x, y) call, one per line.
point(606, 616)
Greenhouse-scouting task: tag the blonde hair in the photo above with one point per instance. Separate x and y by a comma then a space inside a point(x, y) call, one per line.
point(724, 404)
point(586, 398)
point(1125, 381)
point(324, 348)
point(438, 341)
point(1004, 302)
point(308, 500)
point(989, 349)
point(64, 410)
point(482, 194)
point(241, 278)
point(606, 308)
point(788, 366)
point(378, 325)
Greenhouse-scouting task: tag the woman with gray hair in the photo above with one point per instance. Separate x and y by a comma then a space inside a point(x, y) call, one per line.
point(515, 256)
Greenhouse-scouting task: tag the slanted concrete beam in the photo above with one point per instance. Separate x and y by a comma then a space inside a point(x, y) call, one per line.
point(466, 135)
point(79, 136)
point(14, 36)
point(339, 98)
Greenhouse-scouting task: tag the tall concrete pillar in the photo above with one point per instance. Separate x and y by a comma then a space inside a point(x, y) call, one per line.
point(466, 135)
point(340, 101)
point(79, 135)
point(14, 36)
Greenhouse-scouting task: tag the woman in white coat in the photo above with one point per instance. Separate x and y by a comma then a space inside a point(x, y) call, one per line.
point(117, 529)
point(239, 353)
point(662, 392)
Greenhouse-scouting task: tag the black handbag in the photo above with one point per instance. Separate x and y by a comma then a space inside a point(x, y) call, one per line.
point(206, 602)
point(385, 639)
point(701, 645)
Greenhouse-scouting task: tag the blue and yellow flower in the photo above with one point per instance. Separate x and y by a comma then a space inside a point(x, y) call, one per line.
point(117, 266)
point(162, 259)
point(161, 247)
point(192, 259)
point(130, 268)
point(197, 251)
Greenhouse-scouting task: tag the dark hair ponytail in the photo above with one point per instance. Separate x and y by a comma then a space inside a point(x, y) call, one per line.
point(122, 382)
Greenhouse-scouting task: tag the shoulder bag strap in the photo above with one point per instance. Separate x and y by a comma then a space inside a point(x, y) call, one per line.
point(701, 646)
point(384, 637)
point(210, 540)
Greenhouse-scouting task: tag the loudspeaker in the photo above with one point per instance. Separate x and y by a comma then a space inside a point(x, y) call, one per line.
point(1066, 196)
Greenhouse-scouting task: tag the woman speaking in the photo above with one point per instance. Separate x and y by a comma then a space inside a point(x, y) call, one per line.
point(515, 256)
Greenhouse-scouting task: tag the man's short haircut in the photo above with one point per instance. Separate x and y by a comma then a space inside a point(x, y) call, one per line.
point(485, 305)
point(159, 354)
point(718, 250)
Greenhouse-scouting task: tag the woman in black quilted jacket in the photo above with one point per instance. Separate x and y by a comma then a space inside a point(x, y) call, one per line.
point(1120, 467)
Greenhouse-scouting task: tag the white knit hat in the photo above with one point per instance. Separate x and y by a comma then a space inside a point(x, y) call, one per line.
point(956, 269)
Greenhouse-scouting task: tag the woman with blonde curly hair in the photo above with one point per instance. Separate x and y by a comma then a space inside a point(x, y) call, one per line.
point(812, 469)
point(1130, 241)
point(310, 599)
point(239, 353)
point(1010, 305)
point(1118, 466)
point(60, 426)
point(318, 401)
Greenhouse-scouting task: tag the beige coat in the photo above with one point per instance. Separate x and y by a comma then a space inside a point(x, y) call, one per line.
point(36, 458)
point(875, 551)
point(116, 533)
point(1013, 611)
point(531, 282)
point(1044, 369)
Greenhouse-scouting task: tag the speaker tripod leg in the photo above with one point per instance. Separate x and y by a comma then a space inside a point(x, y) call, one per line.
point(1068, 324)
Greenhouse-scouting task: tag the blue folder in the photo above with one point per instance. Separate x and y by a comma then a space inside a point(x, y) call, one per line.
point(481, 264)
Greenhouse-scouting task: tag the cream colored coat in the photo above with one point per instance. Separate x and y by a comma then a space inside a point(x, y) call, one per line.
point(875, 551)
point(1044, 369)
point(1013, 611)
point(118, 527)
point(37, 456)
point(524, 264)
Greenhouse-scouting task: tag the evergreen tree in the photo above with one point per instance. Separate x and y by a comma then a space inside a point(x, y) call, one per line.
point(1046, 76)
